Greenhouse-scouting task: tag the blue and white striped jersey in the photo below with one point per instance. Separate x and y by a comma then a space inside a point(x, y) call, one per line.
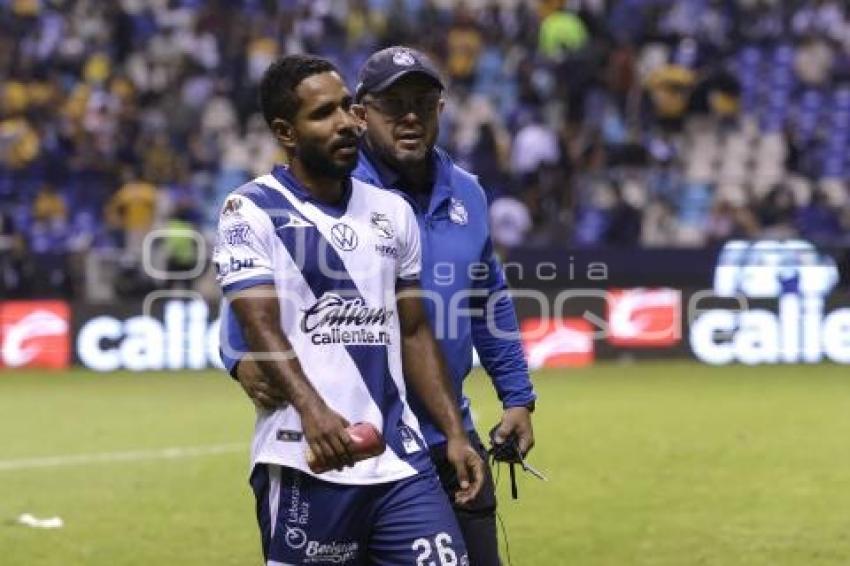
point(335, 270)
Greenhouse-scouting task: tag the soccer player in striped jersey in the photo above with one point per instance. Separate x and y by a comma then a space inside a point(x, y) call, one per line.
point(316, 268)
point(399, 97)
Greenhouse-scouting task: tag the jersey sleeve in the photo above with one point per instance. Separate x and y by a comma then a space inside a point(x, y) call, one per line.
point(243, 250)
point(410, 251)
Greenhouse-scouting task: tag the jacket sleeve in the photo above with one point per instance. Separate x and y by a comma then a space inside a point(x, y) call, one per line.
point(495, 334)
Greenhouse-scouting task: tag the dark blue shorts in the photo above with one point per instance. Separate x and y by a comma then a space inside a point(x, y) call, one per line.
point(304, 520)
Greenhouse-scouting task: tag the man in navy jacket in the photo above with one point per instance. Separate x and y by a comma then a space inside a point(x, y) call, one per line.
point(399, 98)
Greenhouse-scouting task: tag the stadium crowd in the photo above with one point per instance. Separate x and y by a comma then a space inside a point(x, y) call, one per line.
point(590, 122)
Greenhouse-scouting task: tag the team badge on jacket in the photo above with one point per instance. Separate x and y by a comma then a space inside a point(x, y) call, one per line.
point(404, 59)
point(458, 213)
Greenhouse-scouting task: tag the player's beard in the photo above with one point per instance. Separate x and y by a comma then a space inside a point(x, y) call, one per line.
point(320, 162)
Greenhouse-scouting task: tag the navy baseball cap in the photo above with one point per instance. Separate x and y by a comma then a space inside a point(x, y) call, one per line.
point(386, 66)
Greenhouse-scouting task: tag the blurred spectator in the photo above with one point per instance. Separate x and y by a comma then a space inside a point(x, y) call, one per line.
point(19, 143)
point(719, 93)
point(670, 88)
point(463, 43)
point(819, 221)
point(181, 247)
point(776, 214)
point(819, 18)
point(510, 223)
point(561, 33)
point(728, 221)
point(624, 225)
point(689, 101)
point(132, 209)
point(813, 61)
point(11, 254)
point(489, 157)
point(536, 144)
point(660, 226)
point(49, 206)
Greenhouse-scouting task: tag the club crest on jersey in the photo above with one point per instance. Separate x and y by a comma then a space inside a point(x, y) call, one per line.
point(238, 235)
point(344, 237)
point(458, 213)
point(232, 206)
point(382, 225)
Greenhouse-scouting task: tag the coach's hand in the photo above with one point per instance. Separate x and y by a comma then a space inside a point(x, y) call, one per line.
point(262, 392)
point(324, 431)
point(469, 468)
point(516, 420)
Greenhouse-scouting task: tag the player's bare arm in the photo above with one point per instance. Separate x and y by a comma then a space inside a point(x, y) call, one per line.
point(425, 372)
point(264, 392)
point(258, 312)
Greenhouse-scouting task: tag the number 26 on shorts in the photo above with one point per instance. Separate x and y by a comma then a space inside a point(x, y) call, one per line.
point(444, 552)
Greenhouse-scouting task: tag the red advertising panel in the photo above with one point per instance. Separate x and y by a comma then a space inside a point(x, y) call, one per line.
point(644, 318)
point(35, 334)
point(551, 342)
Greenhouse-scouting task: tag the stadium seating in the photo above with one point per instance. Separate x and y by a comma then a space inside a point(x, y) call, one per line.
point(702, 98)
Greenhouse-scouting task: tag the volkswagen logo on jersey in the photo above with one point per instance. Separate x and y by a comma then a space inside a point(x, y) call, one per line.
point(458, 213)
point(344, 236)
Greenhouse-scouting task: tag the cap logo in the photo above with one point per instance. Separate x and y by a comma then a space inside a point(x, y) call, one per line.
point(403, 59)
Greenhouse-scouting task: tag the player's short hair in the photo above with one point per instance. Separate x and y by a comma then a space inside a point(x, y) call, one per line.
point(277, 88)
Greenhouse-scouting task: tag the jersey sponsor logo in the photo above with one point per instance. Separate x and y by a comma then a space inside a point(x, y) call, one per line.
point(335, 320)
point(232, 206)
point(298, 509)
point(333, 552)
point(382, 225)
point(295, 221)
point(238, 235)
point(35, 334)
point(408, 440)
point(564, 342)
point(289, 435)
point(295, 537)
point(387, 251)
point(647, 318)
point(344, 237)
point(234, 265)
point(457, 212)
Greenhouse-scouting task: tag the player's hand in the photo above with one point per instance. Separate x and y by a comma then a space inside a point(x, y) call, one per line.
point(469, 468)
point(265, 394)
point(516, 420)
point(329, 442)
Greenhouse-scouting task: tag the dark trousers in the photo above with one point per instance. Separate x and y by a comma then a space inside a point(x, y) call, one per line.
point(478, 518)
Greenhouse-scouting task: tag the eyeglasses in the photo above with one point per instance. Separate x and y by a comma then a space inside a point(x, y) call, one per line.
point(392, 107)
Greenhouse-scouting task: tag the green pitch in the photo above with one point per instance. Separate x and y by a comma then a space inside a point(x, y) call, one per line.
point(661, 464)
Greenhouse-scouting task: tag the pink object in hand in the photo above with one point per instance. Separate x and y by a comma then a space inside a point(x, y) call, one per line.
point(366, 442)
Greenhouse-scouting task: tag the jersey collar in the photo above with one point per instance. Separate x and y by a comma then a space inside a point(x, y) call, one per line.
point(288, 180)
